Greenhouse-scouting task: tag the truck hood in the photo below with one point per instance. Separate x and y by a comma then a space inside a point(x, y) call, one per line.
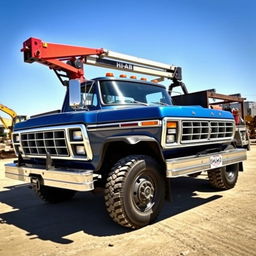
point(122, 114)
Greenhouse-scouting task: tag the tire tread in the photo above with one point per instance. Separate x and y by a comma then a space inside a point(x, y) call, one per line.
point(113, 192)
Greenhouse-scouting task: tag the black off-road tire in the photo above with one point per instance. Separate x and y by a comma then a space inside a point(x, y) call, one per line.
point(224, 177)
point(53, 195)
point(135, 189)
point(194, 175)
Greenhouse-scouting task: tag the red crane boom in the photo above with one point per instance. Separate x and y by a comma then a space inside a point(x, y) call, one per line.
point(53, 55)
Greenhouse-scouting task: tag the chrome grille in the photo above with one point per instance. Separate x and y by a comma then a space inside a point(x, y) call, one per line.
point(38, 143)
point(221, 129)
point(61, 142)
point(200, 131)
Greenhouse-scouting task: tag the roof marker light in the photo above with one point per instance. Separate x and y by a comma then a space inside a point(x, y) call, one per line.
point(133, 77)
point(123, 76)
point(108, 74)
point(144, 79)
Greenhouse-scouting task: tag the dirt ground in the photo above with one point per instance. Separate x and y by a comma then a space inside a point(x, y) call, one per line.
point(198, 221)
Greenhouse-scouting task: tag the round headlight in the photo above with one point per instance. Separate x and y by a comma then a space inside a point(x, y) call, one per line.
point(170, 138)
point(79, 150)
point(77, 135)
point(171, 131)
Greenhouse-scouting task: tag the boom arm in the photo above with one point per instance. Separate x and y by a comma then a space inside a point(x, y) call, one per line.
point(54, 55)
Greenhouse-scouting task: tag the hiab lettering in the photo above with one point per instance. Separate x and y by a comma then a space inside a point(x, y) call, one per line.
point(124, 65)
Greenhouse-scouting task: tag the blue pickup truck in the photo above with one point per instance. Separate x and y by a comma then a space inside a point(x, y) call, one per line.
point(126, 136)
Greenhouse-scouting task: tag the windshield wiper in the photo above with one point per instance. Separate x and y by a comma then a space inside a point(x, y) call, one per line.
point(139, 102)
point(160, 103)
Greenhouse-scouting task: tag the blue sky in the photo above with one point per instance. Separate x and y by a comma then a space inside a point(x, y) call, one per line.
point(214, 41)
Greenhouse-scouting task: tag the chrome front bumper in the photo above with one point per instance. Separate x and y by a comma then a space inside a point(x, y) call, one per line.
point(192, 164)
point(79, 180)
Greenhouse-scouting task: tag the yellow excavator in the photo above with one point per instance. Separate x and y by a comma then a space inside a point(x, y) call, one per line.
point(6, 122)
point(6, 149)
point(15, 118)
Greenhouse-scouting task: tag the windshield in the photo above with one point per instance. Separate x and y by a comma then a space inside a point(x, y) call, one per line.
point(125, 92)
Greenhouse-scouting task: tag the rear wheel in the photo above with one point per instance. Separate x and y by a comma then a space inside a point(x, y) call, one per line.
point(134, 191)
point(224, 177)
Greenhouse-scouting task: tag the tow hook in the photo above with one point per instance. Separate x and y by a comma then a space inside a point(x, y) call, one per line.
point(35, 182)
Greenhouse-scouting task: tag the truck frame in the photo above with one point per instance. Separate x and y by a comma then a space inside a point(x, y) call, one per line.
point(124, 135)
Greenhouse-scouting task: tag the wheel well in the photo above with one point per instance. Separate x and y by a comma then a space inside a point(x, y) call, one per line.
point(114, 151)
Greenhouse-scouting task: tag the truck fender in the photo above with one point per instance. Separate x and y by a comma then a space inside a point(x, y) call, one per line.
point(131, 140)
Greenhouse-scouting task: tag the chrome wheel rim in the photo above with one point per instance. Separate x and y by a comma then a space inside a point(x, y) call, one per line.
point(143, 193)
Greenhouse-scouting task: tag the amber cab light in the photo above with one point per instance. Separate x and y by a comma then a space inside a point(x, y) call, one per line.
point(109, 74)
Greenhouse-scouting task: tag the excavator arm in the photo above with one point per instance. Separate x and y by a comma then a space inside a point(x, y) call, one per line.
point(4, 123)
point(15, 118)
point(8, 111)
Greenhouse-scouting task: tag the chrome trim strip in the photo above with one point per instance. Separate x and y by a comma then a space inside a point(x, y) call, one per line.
point(69, 143)
point(79, 180)
point(179, 121)
point(192, 164)
point(117, 126)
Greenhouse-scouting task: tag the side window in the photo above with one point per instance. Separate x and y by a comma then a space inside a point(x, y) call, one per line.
point(89, 96)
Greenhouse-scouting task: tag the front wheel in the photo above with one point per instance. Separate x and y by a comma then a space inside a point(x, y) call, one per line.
point(134, 191)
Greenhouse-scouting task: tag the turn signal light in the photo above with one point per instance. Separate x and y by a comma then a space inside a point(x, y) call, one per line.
point(171, 125)
point(109, 74)
point(149, 123)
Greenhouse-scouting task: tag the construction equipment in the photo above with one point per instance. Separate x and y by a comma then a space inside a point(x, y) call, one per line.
point(6, 148)
point(251, 123)
point(15, 118)
point(121, 134)
point(210, 99)
point(4, 122)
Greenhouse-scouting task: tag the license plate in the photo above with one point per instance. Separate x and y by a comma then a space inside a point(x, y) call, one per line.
point(216, 161)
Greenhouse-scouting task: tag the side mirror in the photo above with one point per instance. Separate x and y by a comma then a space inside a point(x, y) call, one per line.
point(74, 93)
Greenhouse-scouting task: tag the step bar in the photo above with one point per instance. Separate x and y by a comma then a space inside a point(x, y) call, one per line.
point(83, 180)
point(79, 180)
point(196, 163)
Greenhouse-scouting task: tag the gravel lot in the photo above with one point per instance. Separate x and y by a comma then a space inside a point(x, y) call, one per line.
point(198, 221)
